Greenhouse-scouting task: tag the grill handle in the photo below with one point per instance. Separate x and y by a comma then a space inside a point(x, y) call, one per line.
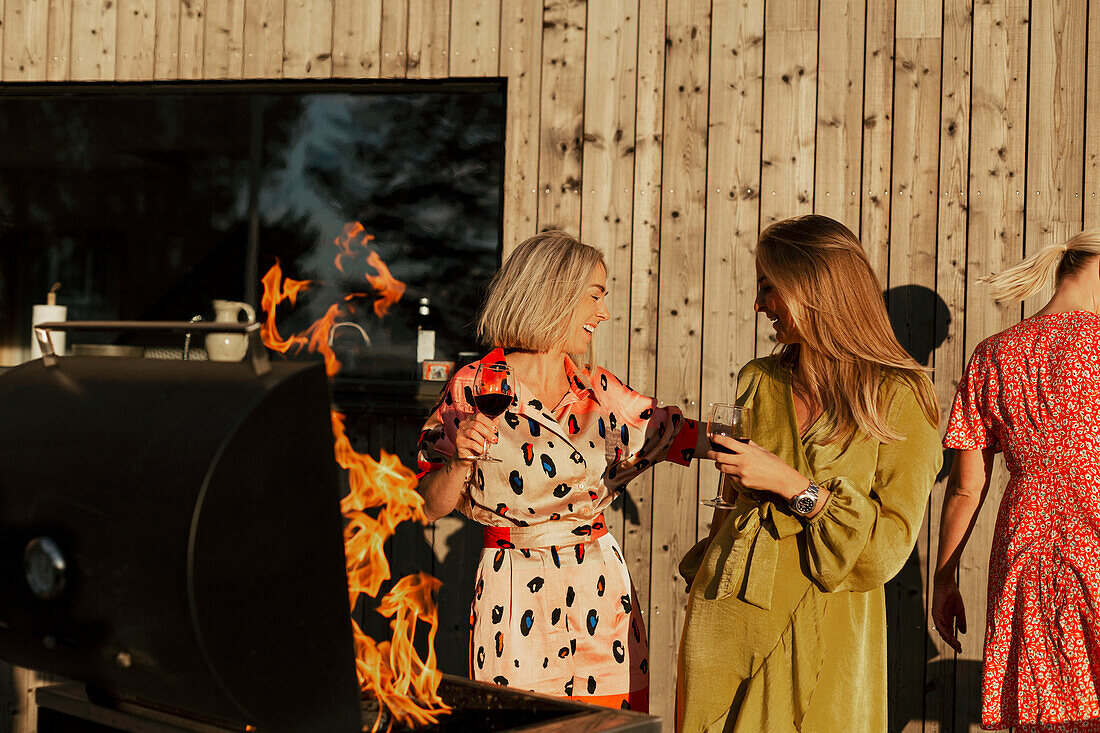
point(260, 363)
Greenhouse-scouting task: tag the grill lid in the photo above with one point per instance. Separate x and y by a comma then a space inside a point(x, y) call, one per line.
point(181, 527)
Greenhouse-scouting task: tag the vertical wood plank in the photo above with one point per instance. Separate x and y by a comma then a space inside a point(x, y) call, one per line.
point(167, 44)
point(1091, 192)
point(790, 103)
point(791, 15)
point(357, 38)
point(1055, 128)
point(645, 267)
point(912, 255)
point(912, 273)
point(58, 38)
point(733, 208)
point(93, 40)
point(192, 37)
point(839, 142)
point(263, 39)
point(2, 10)
point(308, 39)
point(520, 63)
point(25, 24)
point(395, 36)
point(24, 683)
point(562, 115)
point(995, 240)
point(475, 32)
point(137, 35)
point(949, 358)
point(429, 39)
point(878, 96)
point(611, 56)
point(680, 312)
point(224, 41)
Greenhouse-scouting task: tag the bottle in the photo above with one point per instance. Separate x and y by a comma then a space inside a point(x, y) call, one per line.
point(425, 334)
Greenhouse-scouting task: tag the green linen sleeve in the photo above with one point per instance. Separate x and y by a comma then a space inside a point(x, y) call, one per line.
point(863, 536)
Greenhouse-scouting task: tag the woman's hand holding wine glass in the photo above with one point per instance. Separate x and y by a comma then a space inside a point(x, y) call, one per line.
point(475, 433)
point(755, 468)
point(493, 392)
point(729, 422)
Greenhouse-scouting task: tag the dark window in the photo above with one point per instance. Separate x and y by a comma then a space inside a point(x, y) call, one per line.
point(148, 201)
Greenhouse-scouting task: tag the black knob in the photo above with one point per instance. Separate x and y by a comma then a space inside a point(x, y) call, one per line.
point(44, 568)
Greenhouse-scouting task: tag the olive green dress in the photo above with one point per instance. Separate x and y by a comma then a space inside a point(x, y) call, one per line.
point(786, 619)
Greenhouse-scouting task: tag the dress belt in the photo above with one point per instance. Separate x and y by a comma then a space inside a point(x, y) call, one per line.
point(547, 534)
point(748, 559)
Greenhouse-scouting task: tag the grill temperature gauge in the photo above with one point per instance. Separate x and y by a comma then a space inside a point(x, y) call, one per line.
point(44, 568)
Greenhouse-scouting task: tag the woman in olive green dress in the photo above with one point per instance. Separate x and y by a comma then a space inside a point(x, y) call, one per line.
point(786, 620)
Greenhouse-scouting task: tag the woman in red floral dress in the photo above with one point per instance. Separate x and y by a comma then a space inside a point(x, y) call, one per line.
point(1033, 392)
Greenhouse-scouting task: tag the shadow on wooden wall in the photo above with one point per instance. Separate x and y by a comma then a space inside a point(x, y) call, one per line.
point(922, 684)
point(459, 551)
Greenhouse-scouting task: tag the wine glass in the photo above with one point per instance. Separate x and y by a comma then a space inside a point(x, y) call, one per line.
point(492, 395)
point(730, 421)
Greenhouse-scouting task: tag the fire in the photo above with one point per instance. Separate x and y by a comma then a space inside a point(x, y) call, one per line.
point(388, 288)
point(351, 243)
point(276, 290)
point(391, 670)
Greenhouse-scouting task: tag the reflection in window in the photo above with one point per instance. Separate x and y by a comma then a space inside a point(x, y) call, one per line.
point(149, 201)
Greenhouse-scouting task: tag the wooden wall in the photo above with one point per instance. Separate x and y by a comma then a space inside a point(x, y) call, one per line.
point(954, 136)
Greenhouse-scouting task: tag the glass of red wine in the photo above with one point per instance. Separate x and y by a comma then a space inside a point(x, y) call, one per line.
point(730, 421)
point(492, 395)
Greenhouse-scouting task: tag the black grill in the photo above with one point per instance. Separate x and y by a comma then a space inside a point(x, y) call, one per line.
point(171, 537)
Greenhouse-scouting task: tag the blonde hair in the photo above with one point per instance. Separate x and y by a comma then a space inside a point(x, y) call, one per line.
point(1055, 261)
point(847, 347)
point(535, 293)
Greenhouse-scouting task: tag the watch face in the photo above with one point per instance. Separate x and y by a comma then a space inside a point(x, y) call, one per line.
point(805, 504)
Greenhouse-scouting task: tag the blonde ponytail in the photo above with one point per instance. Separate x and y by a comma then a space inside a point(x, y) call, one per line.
point(1054, 262)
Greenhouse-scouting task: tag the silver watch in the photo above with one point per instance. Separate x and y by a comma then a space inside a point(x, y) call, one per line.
point(803, 504)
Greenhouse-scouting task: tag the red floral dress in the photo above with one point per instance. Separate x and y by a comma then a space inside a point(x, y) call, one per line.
point(1033, 392)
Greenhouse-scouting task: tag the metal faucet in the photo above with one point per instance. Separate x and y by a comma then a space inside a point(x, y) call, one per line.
point(187, 339)
point(350, 324)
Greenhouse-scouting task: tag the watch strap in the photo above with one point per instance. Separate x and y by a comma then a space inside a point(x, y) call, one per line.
point(802, 504)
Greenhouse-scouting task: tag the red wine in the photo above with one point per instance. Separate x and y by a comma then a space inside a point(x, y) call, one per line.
point(724, 431)
point(493, 403)
point(718, 448)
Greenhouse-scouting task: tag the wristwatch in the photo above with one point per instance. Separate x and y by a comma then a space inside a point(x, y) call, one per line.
point(803, 504)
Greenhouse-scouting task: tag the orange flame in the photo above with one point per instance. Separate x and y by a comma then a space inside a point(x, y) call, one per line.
point(314, 338)
point(276, 290)
point(408, 601)
point(391, 670)
point(351, 231)
point(388, 288)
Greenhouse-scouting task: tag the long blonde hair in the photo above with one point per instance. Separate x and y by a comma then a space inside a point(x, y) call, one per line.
point(847, 347)
point(535, 293)
point(1054, 262)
